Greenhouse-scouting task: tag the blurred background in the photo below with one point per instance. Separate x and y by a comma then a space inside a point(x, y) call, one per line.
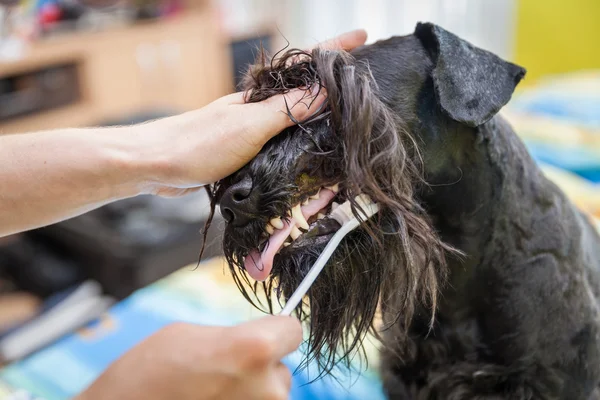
point(67, 63)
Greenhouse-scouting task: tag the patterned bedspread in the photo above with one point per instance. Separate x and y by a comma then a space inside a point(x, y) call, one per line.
point(204, 295)
point(560, 122)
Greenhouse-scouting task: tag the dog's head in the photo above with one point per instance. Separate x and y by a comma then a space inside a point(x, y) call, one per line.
point(385, 102)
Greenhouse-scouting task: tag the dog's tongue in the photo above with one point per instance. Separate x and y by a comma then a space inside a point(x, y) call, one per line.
point(259, 265)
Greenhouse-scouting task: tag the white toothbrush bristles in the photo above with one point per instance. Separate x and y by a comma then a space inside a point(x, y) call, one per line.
point(342, 214)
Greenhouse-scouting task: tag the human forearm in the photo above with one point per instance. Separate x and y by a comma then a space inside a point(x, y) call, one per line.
point(46, 177)
point(49, 176)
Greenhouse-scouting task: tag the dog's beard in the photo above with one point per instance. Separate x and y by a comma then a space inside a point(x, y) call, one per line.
point(394, 262)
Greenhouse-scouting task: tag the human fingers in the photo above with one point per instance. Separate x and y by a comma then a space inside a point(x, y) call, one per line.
point(345, 41)
point(284, 376)
point(273, 383)
point(278, 336)
point(280, 382)
point(269, 117)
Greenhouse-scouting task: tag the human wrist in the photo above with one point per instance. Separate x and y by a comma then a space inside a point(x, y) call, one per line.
point(126, 167)
point(150, 154)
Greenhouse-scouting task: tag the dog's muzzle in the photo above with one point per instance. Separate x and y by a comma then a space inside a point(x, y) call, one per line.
point(304, 223)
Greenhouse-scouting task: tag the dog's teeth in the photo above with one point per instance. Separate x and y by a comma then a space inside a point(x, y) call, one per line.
point(320, 216)
point(300, 220)
point(270, 229)
point(277, 223)
point(305, 203)
point(286, 244)
point(335, 188)
point(316, 195)
point(295, 233)
point(334, 205)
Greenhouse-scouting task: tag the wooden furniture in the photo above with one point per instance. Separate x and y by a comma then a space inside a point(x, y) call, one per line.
point(169, 65)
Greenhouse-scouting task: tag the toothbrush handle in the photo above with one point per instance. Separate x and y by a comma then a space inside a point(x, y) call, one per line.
point(316, 269)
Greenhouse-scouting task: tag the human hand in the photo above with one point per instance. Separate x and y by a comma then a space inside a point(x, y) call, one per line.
point(205, 145)
point(185, 361)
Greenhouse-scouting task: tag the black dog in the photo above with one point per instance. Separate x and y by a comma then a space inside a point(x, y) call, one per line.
point(486, 276)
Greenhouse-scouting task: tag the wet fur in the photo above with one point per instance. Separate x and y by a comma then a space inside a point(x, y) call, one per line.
point(345, 298)
point(486, 275)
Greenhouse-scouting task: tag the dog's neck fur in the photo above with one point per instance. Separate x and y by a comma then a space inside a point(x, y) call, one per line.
point(464, 198)
point(488, 198)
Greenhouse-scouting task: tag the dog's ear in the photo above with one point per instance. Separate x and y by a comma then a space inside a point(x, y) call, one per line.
point(471, 84)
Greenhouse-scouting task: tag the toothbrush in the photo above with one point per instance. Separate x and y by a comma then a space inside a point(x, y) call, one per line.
point(342, 214)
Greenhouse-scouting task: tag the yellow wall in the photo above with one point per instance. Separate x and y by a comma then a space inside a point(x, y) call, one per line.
point(555, 36)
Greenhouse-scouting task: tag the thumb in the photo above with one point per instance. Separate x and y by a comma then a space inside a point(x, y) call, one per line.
point(285, 333)
point(271, 116)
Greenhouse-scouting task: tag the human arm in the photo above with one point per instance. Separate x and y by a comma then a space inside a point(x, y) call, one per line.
point(46, 177)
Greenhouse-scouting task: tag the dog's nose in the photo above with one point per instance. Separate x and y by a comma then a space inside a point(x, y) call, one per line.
point(239, 202)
